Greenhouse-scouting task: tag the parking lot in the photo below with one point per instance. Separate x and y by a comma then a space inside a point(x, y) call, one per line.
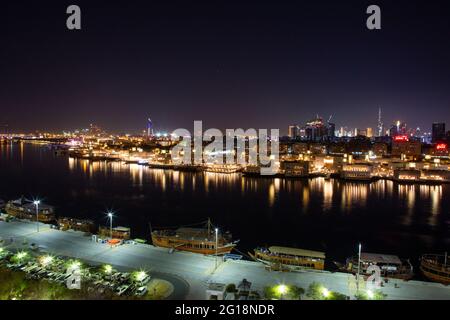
point(73, 273)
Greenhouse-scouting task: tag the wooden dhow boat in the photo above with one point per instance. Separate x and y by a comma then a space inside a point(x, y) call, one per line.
point(436, 267)
point(289, 259)
point(204, 240)
point(23, 208)
point(391, 266)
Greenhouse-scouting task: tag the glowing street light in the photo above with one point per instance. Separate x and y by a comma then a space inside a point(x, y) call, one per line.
point(110, 216)
point(21, 255)
point(75, 265)
point(370, 294)
point(140, 276)
point(281, 290)
point(46, 260)
point(325, 292)
point(359, 265)
point(36, 203)
point(217, 243)
point(108, 269)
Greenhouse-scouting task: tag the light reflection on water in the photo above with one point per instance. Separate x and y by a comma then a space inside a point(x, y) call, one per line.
point(349, 196)
point(319, 214)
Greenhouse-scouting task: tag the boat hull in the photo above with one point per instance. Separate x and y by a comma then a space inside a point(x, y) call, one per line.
point(287, 264)
point(435, 277)
point(200, 247)
point(404, 273)
point(19, 214)
point(434, 270)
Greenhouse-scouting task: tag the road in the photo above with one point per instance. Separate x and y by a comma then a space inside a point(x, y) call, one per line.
point(190, 273)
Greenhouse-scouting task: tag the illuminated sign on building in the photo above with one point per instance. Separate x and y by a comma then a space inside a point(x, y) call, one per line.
point(441, 146)
point(401, 138)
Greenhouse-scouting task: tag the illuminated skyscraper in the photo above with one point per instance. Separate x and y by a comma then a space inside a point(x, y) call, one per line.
point(380, 124)
point(293, 131)
point(149, 128)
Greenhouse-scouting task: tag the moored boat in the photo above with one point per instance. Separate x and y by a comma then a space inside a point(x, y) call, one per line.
point(290, 259)
point(222, 168)
point(84, 225)
point(23, 208)
point(391, 266)
point(436, 267)
point(204, 240)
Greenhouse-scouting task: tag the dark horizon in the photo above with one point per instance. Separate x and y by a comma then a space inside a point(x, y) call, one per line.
point(231, 64)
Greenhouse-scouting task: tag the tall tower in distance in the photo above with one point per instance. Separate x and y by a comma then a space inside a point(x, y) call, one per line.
point(149, 127)
point(380, 124)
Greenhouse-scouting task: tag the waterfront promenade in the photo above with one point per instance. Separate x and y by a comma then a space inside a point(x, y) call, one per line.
point(190, 273)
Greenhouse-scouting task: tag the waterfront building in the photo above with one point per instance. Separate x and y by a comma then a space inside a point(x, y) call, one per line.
point(403, 146)
point(438, 175)
point(407, 175)
point(358, 171)
point(333, 164)
point(297, 168)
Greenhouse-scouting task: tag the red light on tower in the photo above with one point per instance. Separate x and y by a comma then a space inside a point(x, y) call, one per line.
point(401, 138)
point(441, 146)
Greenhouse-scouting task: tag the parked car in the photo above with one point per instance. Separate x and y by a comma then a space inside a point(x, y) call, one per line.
point(141, 291)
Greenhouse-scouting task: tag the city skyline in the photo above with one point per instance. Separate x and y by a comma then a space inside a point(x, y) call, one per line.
point(161, 129)
point(243, 66)
point(224, 151)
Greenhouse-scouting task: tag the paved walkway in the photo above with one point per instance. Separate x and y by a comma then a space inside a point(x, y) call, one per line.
point(190, 273)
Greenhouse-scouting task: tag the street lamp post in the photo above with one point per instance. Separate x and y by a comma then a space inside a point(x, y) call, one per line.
point(217, 243)
point(36, 203)
point(359, 265)
point(110, 223)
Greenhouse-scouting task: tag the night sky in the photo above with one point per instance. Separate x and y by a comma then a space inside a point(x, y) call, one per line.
point(249, 64)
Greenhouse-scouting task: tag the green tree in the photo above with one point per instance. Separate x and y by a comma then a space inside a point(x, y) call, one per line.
point(296, 292)
point(314, 291)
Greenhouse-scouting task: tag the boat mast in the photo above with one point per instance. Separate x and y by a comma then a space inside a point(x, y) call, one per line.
point(209, 226)
point(445, 261)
